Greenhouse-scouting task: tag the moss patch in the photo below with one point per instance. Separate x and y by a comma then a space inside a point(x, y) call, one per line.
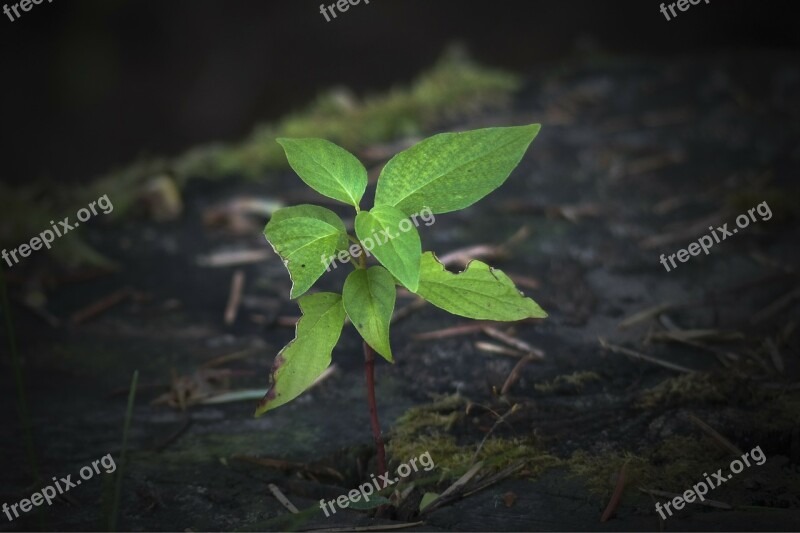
point(686, 389)
point(672, 465)
point(574, 382)
point(430, 427)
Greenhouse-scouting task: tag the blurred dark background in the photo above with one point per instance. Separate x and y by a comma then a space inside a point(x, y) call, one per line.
point(90, 85)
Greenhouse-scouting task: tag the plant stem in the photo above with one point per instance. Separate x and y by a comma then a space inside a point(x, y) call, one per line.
point(369, 367)
point(362, 257)
point(22, 400)
point(112, 520)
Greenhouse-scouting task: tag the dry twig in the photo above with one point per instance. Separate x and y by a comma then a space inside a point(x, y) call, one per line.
point(714, 434)
point(235, 297)
point(514, 342)
point(642, 357)
point(455, 331)
point(617, 495)
point(666, 494)
point(281, 497)
point(515, 373)
point(101, 306)
point(490, 347)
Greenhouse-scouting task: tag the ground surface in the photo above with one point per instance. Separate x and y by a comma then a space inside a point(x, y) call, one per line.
point(634, 160)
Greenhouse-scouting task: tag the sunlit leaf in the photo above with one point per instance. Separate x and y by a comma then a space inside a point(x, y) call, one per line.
point(369, 296)
point(479, 292)
point(305, 236)
point(451, 171)
point(392, 238)
point(327, 168)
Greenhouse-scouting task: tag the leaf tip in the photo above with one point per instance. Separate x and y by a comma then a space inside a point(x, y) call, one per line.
point(265, 404)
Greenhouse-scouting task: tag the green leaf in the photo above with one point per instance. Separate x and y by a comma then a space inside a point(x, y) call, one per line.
point(309, 354)
point(305, 236)
point(479, 292)
point(427, 499)
point(327, 168)
point(369, 296)
point(390, 236)
point(451, 171)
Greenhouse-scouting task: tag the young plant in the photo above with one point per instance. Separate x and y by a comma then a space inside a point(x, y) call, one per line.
point(444, 173)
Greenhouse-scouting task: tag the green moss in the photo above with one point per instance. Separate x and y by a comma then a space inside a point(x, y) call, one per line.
point(599, 472)
point(574, 382)
point(429, 427)
point(777, 413)
point(686, 389)
point(672, 465)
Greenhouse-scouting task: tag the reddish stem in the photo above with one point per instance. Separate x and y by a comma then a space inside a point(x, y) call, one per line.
point(369, 367)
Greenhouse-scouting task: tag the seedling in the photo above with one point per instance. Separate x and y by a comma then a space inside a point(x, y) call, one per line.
point(444, 173)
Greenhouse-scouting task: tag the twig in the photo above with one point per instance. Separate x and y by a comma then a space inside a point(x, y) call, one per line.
point(716, 435)
point(775, 355)
point(515, 373)
point(720, 353)
point(42, 313)
point(645, 314)
point(514, 342)
point(667, 494)
point(281, 497)
point(490, 347)
point(642, 357)
point(470, 405)
point(775, 307)
point(463, 256)
point(495, 478)
point(697, 334)
point(101, 306)
point(280, 464)
point(175, 435)
point(494, 426)
point(236, 258)
point(460, 482)
point(217, 361)
point(683, 233)
point(287, 321)
point(524, 281)
point(617, 495)
point(235, 297)
point(455, 331)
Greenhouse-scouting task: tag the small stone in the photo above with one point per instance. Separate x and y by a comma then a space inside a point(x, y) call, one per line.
point(509, 499)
